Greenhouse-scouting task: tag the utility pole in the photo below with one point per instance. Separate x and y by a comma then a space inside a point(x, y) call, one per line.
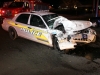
point(97, 3)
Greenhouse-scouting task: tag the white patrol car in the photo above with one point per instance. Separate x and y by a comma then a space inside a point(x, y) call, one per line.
point(50, 29)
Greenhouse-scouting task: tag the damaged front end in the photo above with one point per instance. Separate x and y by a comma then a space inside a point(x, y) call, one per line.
point(84, 36)
point(73, 33)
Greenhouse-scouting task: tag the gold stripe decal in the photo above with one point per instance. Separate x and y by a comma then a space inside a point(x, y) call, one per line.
point(39, 34)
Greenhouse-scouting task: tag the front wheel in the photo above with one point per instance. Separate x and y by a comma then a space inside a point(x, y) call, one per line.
point(55, 43)
point(12, 33)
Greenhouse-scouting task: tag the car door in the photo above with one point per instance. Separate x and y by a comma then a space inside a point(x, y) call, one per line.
point(38, 30)
point(21, 24)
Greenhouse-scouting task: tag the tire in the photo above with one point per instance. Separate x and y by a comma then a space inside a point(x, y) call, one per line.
point(55, 43)
point(12, 33)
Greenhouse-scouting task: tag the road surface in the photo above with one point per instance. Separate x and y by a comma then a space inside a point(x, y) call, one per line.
point(24, 57)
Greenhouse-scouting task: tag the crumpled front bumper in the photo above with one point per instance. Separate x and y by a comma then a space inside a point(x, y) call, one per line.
point(80, 38)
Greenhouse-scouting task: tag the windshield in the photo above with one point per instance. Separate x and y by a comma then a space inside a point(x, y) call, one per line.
point(16, 4)
point(49, 19)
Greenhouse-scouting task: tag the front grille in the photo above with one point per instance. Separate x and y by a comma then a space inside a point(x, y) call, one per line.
point(82, 31)
point(81, 36)
point(80, 39)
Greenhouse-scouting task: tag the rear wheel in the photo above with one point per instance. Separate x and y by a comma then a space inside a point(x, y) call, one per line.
point(12, 33)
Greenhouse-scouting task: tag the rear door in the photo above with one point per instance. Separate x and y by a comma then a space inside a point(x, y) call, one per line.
point(21, 24)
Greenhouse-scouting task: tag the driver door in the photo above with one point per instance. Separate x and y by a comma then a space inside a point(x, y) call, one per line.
point(38, 29)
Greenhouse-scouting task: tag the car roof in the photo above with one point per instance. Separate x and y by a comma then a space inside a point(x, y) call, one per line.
point(38, 13)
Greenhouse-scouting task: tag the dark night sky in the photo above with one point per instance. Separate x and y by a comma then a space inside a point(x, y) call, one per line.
point(57, 2)
point(86, 1)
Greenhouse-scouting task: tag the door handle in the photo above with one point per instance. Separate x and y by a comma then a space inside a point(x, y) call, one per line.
point(29, 27)
point(16, 24)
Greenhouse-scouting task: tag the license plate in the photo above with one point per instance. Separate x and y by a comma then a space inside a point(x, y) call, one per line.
point(84, 36)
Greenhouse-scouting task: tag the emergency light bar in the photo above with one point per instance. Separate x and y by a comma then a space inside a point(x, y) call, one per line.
point(40, 11)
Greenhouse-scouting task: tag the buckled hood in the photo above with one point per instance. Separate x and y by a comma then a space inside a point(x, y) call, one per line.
point(72, 25)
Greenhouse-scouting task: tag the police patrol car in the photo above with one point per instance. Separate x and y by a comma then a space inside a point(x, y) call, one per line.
point(50, 29)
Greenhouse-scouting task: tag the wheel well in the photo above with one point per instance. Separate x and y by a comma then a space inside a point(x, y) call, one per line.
point(12, 28)
point(61, 28)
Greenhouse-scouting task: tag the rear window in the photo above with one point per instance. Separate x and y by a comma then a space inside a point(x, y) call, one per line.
point(23, 18)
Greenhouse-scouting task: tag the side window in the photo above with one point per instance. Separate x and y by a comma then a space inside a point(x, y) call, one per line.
point(37, 21)
point(23, 18)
